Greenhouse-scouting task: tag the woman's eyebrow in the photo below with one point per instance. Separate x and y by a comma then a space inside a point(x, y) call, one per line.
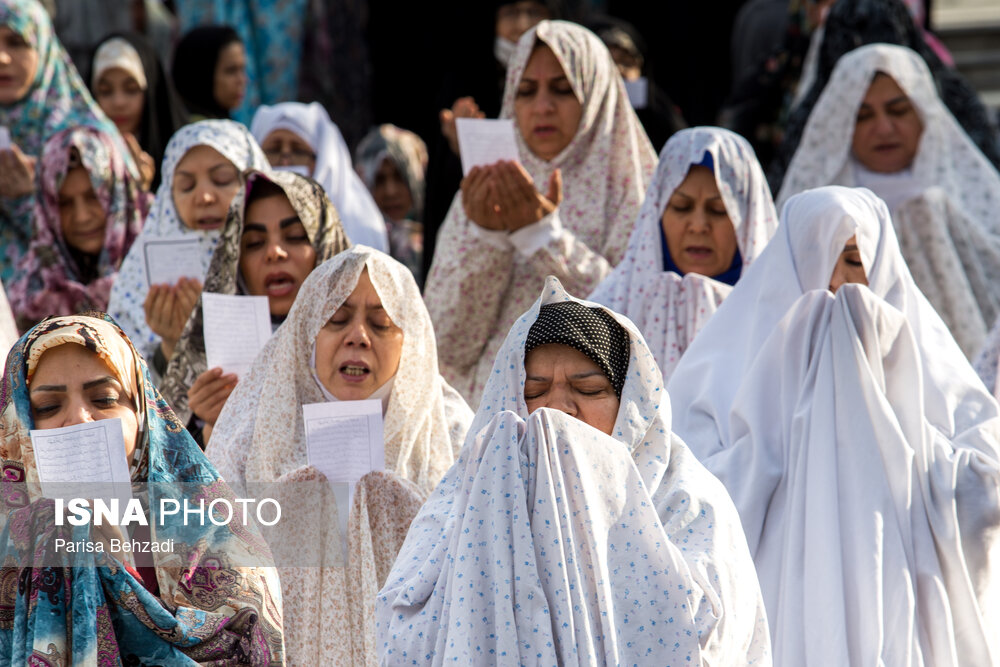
point(585, 374)
point(86, 385)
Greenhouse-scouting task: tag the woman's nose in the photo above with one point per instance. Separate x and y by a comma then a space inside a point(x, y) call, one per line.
point(357, 334)
point(276, 252)
point(560, 399)
point(77, 413)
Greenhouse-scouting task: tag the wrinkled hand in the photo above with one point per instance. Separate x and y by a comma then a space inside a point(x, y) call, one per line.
point(478, 197)
point(209, 393)
point(168, 309)
point(464, 107)
point(517, 203)
point(17, 173)
point(147, 167)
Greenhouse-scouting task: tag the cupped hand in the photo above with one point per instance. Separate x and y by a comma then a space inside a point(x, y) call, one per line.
point(17, 173)
point(464, 107)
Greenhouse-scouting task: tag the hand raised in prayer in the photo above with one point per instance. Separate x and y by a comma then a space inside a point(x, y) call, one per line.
point(147, 167)
point(17, 173)
point(168, 309)
point(478, 194)
point(517, 203)
point(209, 393)
point(464, 107)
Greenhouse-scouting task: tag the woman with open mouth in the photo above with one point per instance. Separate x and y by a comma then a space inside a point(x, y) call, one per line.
point(881, 124)
point(88, 213)
point(280, 227)
point(201, 175)
point(358, 330)
point(708, 214)
point(566, 207)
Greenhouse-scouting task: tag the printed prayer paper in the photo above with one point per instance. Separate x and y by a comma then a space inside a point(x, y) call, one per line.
point(236, 328)
point(83, 461)
point(167, 260)
point(483, 141)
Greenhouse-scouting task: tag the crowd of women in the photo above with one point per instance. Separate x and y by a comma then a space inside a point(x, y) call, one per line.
point(630, 414)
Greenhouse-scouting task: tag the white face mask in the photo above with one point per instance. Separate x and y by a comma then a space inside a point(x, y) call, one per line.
point(503, 50)
point(299, 169)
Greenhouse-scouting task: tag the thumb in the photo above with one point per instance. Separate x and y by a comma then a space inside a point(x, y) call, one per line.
point(555, 187)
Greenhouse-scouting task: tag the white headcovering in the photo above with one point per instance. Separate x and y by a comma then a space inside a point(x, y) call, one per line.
point(334, 171)
point(950, 235)
point(232, 141)
point(801, 257)
point(117, 52)
point(667, 308)
point(550, 542)
point(860, 449)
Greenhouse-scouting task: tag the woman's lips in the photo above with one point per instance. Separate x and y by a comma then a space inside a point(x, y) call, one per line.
point(544, 131)
point(354, 371)
point(210, 222)
point(698, 252)
point(279, 283)
point(884, 148)
point(91, 233)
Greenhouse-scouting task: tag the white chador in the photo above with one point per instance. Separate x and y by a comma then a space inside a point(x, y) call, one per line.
point(550, 542)
point(944, 206)
point(669, 308)
point(860, 448)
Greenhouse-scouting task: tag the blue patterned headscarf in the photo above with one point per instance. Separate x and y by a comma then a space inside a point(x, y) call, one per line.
point(57, 99)
point(217, 597)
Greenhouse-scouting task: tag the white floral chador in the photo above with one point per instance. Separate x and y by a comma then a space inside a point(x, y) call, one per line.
point(668, 308)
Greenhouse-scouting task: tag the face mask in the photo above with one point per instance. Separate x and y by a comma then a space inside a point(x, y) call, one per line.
point(299, 169)
point(503, 50)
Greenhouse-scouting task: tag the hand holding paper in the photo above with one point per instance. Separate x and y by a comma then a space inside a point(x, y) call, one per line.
point(236, 329)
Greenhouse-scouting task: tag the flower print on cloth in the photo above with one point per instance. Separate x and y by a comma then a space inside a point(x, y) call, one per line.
point(234, 142)
point(476, 287)
point(550, 542)
point(943, 208)
point(53, 278)
point(668, 308)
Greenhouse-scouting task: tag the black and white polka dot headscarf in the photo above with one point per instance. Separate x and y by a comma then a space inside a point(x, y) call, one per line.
point(590, 330)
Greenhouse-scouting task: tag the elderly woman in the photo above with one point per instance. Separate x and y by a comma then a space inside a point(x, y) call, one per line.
point(574, 527)
point(88, 212)
point(201, 176)
point(358, 330)
point(860, 448)
point(880, 124)
point(566, 208)
point(301, 137)
point(280, 227)
point(190, 605)
point(707, 215)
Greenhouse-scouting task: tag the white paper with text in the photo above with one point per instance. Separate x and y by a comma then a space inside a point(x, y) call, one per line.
point(344, 438)
point(82, 461)
point(483, 141)
point(167, 260)
point(236, 328)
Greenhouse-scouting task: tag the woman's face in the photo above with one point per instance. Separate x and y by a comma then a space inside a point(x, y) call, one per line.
point(204, 185)
point(18, 64)
point(121, 98)
point(284, 148)
point(849, 268)
point(547, 111)
point(699, 233)
point(391, 192)
point(888, 128)
point(72, 385)
point(276, 255)
point(516, 18)
point(563, 378)
point(230, 76)
point(359, 349)
point(81, 216)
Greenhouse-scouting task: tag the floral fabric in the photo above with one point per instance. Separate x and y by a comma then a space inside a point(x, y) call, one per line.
point(49, 279)
point(476, 289)
point(669, 308)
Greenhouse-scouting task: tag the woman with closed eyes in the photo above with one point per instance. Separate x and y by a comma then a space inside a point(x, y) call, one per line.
point(201, 176)
point(566, 207)
point(880, 123)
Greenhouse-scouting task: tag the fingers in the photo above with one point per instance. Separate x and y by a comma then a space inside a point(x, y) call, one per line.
point(555, 188)
point(208, 395)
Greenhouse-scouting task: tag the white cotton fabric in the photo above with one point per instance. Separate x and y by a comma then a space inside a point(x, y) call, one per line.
point(949, 232)
point(668, 308)
point(550, 542)
point(858, 445)
point(117, 52)
point(479, 284)
point(128, 294)
point(359, 214)
point(260, 438)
